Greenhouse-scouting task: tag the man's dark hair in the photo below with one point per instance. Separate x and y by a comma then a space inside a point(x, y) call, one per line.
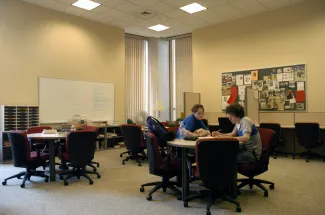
point(196, 107)
point(236, 110)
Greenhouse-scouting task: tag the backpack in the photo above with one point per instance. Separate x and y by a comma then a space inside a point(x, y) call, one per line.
point(155, 127)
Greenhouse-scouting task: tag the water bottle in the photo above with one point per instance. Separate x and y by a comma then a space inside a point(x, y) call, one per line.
point(181, 131)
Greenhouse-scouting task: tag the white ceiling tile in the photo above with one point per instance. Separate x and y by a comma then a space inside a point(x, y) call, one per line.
point(174, 14)
point(44, 3)
point(100, 18)
point(144, 3)
point(161, 7)
point(110, 3)
point(228, 11)
point(119, 23)
point(101, 9)
point(75, 11)
point(273, 4)
point(128, 7)
point(210, 16)
point(211, 3)
point(68, 1)
point(178, 3)
point(59, 6)
point(193, 21)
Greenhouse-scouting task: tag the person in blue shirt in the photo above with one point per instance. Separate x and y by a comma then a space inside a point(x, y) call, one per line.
point(194, 126)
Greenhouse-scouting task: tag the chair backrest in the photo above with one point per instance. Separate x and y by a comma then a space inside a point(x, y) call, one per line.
point(153, 152)
point(276, 127)
point(206, 122)
point(225, 125)
point(133, 137)
point(216, 161)
point(307, 134)
point(267, 136)
point(90, 128)
point(20, 147)
point(81, 147)
point(37, 129)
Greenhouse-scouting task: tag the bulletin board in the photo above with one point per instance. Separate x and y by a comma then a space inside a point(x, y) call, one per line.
point(277, 88)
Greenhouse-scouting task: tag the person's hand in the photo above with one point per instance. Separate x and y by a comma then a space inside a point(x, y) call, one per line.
point(199, 131)
point(216, 133)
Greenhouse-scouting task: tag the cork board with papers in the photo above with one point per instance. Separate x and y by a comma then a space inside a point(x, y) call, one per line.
point(280, 89)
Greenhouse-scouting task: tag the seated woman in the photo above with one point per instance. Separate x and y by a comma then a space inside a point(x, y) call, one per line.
point(194, 127)
point(246, 133)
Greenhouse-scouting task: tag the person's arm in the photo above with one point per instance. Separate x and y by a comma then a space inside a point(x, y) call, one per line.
point(218, 134)
point(190, 134)
point(245, 138)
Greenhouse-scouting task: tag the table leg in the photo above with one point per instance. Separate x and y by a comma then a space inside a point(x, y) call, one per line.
point(52, 160)
point(185, 177)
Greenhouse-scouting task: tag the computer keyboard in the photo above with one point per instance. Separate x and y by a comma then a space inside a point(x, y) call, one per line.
point(191, 138)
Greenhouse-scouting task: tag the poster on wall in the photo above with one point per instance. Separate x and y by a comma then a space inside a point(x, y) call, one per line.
point(278, 88)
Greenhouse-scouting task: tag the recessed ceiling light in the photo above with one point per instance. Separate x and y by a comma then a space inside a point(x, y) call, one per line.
point(193, 8)
point(86, 4)
point(158, 27)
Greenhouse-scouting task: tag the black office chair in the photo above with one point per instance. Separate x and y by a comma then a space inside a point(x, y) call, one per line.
point(163, 166)
point(277, 139)
point(24, 158)
point(80, 150)
point(134, 142)
point(216, 161)
point(225, 125)
point(308, 137)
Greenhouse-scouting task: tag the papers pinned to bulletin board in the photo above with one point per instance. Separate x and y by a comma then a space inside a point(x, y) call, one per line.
point(277, 89)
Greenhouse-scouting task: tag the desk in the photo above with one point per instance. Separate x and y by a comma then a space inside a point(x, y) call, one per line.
point(51, 138)
point(185, 145)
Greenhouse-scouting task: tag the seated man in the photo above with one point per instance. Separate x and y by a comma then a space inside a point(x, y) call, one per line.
point(193, 123)
point(246, 133)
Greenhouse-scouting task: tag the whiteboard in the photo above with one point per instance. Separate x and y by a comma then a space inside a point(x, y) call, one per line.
point(60, 99)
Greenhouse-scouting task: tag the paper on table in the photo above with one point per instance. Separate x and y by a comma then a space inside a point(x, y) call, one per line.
point(300, 85)
point(239, 80)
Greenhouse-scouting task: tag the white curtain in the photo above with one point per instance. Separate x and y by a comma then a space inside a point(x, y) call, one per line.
point(136, 65)
point(182, 75)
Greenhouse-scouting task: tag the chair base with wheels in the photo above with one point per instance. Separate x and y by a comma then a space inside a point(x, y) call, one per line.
point(309, 154)
point(27, 175)
point(257, 182)
point(138, 157)
point(164, 184)
point(78, 172)
point(127, 152)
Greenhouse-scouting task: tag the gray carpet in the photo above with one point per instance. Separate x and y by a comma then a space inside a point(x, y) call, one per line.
point(300, 189)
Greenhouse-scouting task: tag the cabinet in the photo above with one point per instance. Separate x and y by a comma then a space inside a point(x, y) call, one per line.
point(112, 135)
point(15, 118)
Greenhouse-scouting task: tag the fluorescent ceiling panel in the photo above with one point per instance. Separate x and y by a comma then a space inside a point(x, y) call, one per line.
point(193, 8)
point(86, 4)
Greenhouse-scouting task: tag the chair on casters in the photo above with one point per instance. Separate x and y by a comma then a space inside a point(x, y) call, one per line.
point(134, 142)
point(80, 150)
point(225, 125)
point(129, 122)
point(308, 137)
point(216, 165)
point(24, 158)
point(277, 139)
point(94, 129)
point(260, 166)
point(164, 167)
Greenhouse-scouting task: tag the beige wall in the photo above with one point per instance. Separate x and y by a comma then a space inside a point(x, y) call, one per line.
point(291, 35)
point(38, 42)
